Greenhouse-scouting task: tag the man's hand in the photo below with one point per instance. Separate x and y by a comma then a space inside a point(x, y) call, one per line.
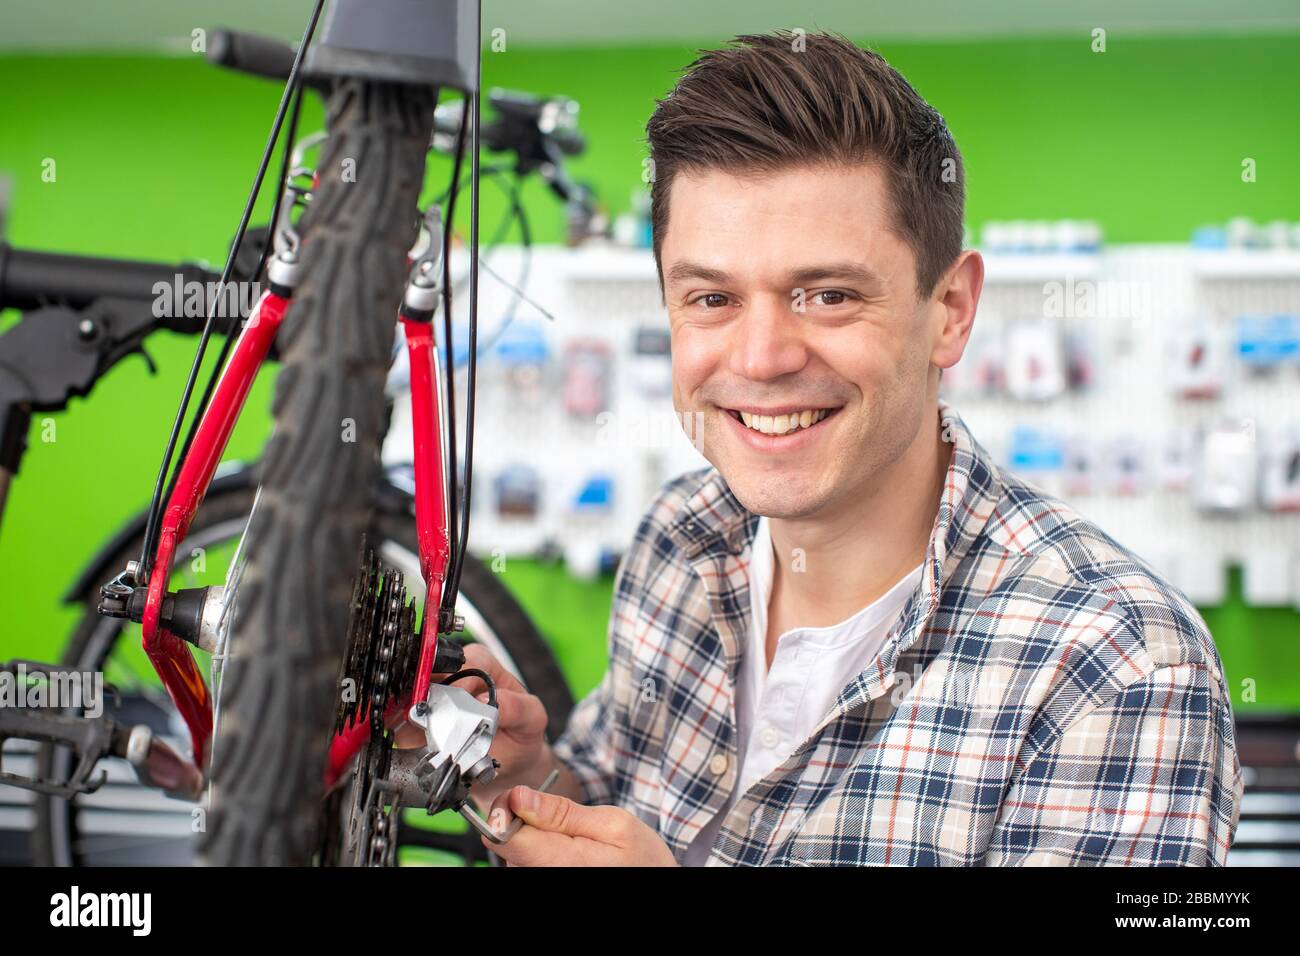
point(520, 741)
point(559, 832)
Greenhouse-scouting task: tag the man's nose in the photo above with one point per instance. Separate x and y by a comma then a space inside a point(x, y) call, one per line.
point(768, 340)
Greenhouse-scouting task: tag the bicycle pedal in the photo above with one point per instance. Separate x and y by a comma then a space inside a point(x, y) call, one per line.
point(91, 739)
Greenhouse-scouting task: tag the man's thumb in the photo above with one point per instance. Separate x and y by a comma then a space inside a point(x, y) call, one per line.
point(550, 811)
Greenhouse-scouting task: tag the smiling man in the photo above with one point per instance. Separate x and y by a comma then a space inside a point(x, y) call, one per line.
point(855, 639)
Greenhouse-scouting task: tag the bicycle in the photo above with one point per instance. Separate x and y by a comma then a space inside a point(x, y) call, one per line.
point(343, 610)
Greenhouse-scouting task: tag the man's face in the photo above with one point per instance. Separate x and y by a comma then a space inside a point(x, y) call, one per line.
point(793, 304)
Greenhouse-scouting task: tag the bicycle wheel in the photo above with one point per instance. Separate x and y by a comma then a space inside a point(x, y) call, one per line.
point(280, 680)
point(125, 823)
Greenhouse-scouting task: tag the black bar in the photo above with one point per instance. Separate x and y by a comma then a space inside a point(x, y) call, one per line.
point(256, 56)
point(29, 280)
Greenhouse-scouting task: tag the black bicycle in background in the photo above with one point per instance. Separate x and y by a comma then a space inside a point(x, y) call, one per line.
point(80, 317)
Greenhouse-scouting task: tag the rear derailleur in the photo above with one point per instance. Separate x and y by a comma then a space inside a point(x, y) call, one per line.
point(380, 668)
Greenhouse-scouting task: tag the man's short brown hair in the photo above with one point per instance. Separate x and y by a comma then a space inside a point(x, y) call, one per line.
point(786, 99)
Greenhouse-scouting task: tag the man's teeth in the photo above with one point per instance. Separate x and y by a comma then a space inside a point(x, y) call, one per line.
point(782, 424)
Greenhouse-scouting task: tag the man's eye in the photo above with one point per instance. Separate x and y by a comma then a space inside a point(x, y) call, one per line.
point(712, 300)
point(832, 297)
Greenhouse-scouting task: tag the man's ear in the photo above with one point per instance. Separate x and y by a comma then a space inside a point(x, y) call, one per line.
point(955, 297)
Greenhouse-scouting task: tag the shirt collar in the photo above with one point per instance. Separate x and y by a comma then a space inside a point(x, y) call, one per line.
point(971, 490)
point(713, 522)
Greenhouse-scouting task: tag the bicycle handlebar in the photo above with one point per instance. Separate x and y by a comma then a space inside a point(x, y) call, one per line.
point(29, 280)
point(256, 56)
point(523, 120)
point(539, 131)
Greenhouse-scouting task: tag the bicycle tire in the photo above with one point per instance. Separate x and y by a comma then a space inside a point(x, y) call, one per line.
point(521, 646)
point(280, 683)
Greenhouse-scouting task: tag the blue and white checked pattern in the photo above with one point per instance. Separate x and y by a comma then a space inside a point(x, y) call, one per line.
point(1044, 698)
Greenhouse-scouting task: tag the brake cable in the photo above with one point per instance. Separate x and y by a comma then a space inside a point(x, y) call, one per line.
point(291, 87)
point(449, 384)
point(256, 278)
point(452, 588)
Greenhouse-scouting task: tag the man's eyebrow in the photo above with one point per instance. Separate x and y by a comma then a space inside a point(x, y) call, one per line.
point(847, 271)
point(681, 271)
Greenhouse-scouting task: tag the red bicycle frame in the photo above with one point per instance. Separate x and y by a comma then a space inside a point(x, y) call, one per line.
point(431, 534)
point(171, 657)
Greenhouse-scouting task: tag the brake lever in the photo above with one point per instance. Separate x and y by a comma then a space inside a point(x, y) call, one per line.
point(122, 350)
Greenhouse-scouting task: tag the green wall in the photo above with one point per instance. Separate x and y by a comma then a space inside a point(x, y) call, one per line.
point(154, 157)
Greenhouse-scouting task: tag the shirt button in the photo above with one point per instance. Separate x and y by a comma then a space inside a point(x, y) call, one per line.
point(719, 764)
point(770, 737)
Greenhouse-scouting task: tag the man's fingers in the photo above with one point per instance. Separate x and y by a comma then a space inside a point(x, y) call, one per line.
point(499, 816)
point(556, 831)
point(476, 655)
point(533, 847)
point(556, 814)
point(479, 657)
point(520, 713)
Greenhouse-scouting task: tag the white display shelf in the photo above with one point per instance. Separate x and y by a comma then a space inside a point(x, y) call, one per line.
point(1039, 267)
point(594, 262)
point(601, 263)
point(607, 294)
point(1247, 264)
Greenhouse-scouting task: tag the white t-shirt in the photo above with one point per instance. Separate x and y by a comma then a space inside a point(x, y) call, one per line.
point(777, 709)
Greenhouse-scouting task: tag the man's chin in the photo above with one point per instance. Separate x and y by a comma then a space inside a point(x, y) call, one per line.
point(778, 496)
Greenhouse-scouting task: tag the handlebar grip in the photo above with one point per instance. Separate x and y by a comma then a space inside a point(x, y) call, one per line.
point(249, 53)
point(570, 141)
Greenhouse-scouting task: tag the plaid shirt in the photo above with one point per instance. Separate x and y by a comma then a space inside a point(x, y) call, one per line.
point(1044, 698)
